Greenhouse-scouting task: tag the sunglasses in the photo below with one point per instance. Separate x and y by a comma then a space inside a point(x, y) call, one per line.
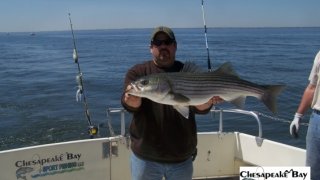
point(167, 42)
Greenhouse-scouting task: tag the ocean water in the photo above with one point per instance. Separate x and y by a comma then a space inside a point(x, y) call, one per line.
point(38, 87)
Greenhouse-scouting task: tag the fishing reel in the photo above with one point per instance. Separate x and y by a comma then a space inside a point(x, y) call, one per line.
point(93, 130)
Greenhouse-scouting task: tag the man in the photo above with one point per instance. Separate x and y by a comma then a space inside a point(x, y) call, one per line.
point(311, 98)
point(163, 142)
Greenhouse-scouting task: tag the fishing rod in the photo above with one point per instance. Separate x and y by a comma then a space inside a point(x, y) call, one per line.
point(205, 36)
point(92, 129)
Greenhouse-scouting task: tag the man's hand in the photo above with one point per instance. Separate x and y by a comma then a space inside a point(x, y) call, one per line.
point(130, 100)
point(294, 126)
point(213, 101)
point(216, 100)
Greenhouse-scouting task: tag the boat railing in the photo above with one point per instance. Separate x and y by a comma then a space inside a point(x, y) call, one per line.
point(253, 114)
point(221, 112)
point(122, 112)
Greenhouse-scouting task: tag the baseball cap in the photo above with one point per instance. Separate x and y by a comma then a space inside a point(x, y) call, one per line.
point(163, 29)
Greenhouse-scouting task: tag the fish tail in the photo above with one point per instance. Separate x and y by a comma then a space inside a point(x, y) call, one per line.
point(269, 98)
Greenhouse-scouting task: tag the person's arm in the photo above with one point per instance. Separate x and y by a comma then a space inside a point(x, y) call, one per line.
point(307, 96)
point(305, 103)
point(306, 99)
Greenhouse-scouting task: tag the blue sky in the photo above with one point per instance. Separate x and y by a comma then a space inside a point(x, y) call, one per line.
point(51, 15)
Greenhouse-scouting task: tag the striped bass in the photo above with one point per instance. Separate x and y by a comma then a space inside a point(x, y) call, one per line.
point(193, 86)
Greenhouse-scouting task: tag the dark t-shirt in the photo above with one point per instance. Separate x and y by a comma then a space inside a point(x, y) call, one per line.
point(158, 132)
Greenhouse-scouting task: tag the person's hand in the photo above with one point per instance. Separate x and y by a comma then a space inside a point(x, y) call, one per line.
point(294, 126)
point(130, 100)
point(216, 100)
point(213, 101)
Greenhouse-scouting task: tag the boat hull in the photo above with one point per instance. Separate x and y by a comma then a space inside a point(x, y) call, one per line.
point(219, 155)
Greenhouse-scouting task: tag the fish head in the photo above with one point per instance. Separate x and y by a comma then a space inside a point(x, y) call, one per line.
point(151, 87)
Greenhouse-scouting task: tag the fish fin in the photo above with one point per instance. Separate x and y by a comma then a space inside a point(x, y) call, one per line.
point(191, 67)
point(180, 98)
point(183, 110)
point(270, 96)
point(239, 101)
point(226, 69)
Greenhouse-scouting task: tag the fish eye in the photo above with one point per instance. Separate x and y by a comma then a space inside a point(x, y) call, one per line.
point(145, 82)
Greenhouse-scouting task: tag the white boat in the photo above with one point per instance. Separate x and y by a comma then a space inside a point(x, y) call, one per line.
point(220, 155)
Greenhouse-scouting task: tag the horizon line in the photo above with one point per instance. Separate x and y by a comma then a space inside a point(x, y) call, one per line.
point(124, 28)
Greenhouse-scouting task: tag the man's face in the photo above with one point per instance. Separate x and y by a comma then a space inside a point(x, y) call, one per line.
point(163, 50)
